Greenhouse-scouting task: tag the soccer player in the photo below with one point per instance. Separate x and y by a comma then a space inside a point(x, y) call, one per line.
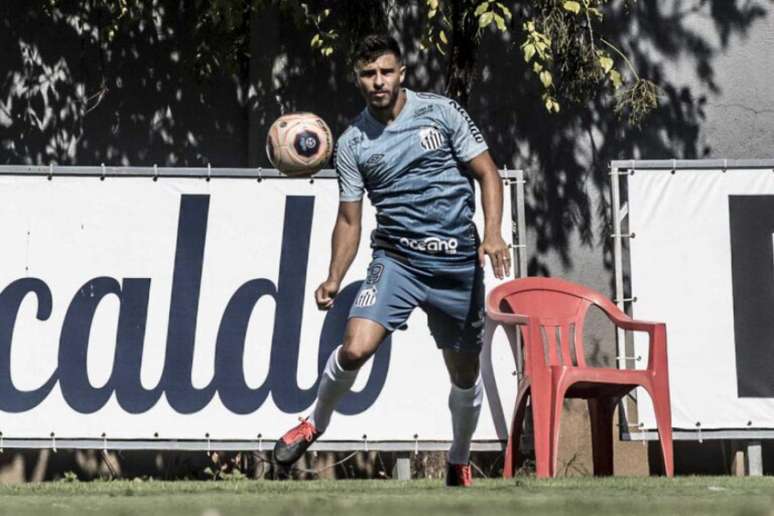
point(416, 155)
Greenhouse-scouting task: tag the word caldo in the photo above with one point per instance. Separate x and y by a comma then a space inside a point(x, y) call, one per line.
point(431, 245)
point(176, 380)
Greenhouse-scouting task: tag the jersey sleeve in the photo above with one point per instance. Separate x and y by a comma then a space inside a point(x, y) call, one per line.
point(351, 185)
point(466, 140)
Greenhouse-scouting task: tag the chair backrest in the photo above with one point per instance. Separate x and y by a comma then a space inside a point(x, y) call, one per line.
point(561, 307)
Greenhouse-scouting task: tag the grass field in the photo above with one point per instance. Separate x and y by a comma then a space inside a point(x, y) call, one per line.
point(577, 496)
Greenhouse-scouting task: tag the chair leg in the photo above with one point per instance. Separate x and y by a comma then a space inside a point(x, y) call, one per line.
point(512, 449)
point(659, 393)
point(601, 415)
point(542, 429)
point(556, 418)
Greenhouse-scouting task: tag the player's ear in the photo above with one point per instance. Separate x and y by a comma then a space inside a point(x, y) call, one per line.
point(402, 72)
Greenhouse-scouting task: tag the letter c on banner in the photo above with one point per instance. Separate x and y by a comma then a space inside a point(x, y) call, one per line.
point(12, 399)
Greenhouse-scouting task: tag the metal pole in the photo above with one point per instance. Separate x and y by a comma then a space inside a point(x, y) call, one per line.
point(754, 459)
point(402, 468)
point(521, 226)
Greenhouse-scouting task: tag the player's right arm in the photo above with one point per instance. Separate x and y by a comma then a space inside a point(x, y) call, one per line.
point(344, 245)
point(346, 232)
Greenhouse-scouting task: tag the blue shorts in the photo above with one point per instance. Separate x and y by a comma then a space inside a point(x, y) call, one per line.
point(452, 298)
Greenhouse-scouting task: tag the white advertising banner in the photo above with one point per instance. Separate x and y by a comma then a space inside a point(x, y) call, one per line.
point(701, 261)
point(183, 309)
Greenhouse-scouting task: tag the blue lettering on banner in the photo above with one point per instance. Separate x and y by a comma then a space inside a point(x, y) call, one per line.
point(176, 383)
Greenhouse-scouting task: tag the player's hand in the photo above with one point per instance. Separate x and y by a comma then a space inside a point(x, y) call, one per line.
point(325, 293)
point(499, 254)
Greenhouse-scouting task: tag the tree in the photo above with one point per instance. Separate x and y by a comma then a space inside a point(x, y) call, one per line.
point(563, 40)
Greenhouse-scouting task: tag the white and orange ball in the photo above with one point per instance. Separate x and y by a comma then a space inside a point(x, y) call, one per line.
point(299, 144)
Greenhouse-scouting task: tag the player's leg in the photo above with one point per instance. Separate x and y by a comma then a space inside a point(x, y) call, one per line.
point(455, 310)
point(465, 399)
point(361, 340)
point(384, 302)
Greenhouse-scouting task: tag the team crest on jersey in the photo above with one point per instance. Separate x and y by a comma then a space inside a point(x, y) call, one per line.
point(367, 297)
point(430, 138)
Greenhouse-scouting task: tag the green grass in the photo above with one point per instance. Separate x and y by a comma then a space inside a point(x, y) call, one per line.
point(577, 496)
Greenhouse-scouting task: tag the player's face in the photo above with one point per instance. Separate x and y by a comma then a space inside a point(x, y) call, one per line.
point(379, 81)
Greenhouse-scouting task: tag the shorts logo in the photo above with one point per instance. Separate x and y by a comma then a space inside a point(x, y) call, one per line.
point(430, 138)
point(367, 297)
point(433, 245)
point(374, 274)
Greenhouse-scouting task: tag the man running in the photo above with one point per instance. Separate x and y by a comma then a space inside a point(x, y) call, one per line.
point(415, 154)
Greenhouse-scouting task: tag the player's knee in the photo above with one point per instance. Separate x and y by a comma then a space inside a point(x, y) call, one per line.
point(352, 356)
point(464, 375)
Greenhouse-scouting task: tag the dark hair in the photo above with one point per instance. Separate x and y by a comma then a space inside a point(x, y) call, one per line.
point(375, 45)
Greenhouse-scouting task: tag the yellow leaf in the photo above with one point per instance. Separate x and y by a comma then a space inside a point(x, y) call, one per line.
point(481, 9)
point(431, 14)
point(615, 78)
point(485, 19)
point(529, 51)
point(315, 41)
point(500, 23)
point(546, 79)
point(573, 7)
point(537, 67)
point(442, 35)
point(606, 63)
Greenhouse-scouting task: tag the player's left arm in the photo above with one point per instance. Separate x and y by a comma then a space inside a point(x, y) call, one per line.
point(485, 172)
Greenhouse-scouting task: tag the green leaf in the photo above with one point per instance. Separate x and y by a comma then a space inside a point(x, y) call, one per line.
point(546, 78)
point(529, 51)
point(606, 63)
point(481, 9)
point(573, 7)
point(442, 35)
point(537, 67)
point(485, 19)
point(500, 22)
point(315, 41)
point(615, 78)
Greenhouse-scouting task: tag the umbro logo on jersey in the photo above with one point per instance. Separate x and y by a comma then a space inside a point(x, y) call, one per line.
point(430, 138)
point(373, 161)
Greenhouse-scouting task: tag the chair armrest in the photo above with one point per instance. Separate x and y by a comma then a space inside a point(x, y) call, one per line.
point(631, 324)
point(507, 318)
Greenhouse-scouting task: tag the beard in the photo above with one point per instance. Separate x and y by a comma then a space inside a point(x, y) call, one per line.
point(383, 102)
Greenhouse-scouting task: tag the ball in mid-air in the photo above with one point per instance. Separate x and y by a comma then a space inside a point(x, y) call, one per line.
point(299, 144)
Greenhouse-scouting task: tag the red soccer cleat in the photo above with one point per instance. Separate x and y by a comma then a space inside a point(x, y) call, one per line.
point(459, 475)
point(295, 442)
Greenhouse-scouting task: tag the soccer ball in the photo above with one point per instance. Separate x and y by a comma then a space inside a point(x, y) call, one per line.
point(299, 144)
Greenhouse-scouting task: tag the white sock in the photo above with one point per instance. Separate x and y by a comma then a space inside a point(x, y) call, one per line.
point(465, 406)
point(334, 383)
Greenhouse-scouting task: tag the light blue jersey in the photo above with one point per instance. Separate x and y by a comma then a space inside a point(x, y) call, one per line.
point(411, 171)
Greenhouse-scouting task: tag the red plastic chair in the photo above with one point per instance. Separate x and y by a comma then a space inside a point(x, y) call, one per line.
point(552, 311)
